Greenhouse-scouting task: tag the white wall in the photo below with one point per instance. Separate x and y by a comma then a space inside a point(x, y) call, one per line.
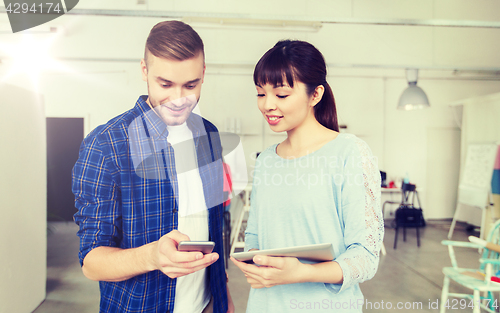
point(23, 227)
point(109, 82)
point(480, 125)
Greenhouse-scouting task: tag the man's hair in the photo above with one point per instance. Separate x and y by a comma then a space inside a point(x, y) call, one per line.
point(173, 40)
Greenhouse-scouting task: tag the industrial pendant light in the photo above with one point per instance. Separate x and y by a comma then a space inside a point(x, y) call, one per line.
point(413, 97)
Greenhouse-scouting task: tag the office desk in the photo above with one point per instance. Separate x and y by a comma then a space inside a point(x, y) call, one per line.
point(390, 190)
point(390, 194)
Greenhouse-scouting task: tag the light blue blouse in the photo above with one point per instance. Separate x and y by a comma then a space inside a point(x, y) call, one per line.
point(330, 195)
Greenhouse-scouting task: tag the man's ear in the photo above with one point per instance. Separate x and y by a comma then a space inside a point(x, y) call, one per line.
point(144, 70)
point(203, 76)
point(317, 95)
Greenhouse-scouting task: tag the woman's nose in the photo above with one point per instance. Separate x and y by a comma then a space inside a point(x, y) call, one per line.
point(269, 104)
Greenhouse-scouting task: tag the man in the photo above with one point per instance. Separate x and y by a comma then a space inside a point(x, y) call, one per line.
point(149, 179)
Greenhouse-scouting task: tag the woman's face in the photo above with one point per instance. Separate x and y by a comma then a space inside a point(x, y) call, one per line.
point(285, 108)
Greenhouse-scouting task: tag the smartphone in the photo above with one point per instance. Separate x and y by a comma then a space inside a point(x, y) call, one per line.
point(204, 246)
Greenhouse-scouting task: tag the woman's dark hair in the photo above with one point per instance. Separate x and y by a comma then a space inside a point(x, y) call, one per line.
point(296, 60)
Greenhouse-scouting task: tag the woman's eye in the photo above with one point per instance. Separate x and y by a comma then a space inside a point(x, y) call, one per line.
point(260, 95)
point(282, 96)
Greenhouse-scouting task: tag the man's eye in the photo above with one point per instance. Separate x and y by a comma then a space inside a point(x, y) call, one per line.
point(165, 85)
point(282, 96)
point(190, 86)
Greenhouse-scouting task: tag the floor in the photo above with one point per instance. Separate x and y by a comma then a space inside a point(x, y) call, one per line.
point(410, 274)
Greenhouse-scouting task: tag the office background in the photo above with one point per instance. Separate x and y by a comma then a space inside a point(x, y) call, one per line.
point(367, 45)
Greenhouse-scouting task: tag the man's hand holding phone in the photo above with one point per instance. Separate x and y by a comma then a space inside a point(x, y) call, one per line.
point(176, 263)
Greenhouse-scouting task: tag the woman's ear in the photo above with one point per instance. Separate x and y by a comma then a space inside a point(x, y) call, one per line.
point(317, 95)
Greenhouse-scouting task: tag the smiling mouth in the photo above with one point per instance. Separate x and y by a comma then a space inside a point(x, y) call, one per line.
point(174, 110)
point(179, 106)
point(273, 120)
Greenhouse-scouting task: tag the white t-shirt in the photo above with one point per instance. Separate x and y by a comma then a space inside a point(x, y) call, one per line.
point(192, 292)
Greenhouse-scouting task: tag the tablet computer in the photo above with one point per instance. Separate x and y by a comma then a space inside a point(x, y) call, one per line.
point(316, 252)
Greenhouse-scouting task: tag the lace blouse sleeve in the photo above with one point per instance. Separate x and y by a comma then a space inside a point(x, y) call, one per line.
point(362, 215)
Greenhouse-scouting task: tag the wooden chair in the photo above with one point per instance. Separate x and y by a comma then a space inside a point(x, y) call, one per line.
point(477, 280)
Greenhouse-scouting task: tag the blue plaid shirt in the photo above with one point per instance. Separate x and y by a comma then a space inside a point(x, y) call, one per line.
point(126, 193)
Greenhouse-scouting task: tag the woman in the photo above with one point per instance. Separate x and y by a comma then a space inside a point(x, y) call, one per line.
point(317, 186)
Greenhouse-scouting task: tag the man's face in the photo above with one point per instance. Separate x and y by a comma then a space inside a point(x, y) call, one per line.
point(174, 87)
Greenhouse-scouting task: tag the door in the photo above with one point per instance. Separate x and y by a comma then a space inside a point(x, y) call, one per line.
point(64, 136)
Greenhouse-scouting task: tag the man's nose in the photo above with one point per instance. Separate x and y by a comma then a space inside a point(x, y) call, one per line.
point(179, 102)
point(178, 98)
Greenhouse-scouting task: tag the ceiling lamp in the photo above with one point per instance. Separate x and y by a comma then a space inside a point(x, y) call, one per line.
point(413, 97)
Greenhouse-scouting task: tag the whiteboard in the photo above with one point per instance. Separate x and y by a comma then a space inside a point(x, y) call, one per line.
point(475, 184)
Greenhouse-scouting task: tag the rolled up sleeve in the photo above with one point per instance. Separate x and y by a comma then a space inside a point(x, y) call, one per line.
point(98, 215)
